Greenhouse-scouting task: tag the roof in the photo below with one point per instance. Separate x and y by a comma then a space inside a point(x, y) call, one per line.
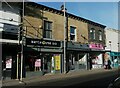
point(62, 13)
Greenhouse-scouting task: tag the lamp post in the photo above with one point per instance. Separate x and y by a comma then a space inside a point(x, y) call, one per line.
point(64, 40)
point(18, 54)
point(110, 52)
point(22, 47)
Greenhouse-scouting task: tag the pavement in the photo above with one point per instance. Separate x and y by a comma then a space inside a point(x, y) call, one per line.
point(55, 77)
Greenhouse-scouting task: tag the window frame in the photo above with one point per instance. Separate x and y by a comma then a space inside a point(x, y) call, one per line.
point(100, 35)
point(73, 34)
point(47, 29)
point(92, 34)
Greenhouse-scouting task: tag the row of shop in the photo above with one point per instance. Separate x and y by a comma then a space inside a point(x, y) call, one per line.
point(46, 56)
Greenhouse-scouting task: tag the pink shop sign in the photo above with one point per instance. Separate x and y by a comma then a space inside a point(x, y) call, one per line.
point(96, 46)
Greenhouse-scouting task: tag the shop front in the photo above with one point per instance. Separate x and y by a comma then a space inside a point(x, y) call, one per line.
point(77, 56)
point(96, 55)
point(115, 58)
point(9, 57)
point(42, 57)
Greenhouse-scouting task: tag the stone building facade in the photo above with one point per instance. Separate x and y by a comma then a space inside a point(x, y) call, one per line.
point(43, 41)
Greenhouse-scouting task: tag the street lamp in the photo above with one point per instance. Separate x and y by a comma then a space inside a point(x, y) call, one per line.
point(18, 54)
point(22, 47)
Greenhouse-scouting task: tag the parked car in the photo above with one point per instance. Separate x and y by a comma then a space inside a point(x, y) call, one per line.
point(115, 83)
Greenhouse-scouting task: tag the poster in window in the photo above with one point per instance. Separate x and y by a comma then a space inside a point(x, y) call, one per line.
point(38, 63)
point(9, 62)
point(57, 62)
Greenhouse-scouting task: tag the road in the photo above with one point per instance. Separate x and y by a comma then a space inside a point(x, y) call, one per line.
point(85, 79)
point(101, 80)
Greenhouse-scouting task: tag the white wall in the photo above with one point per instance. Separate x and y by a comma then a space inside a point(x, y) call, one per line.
point(6, 14)
point(1, 27)
point(112, 35)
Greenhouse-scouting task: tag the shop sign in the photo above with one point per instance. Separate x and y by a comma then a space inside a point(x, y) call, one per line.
point(39, 42)
point(115, 54)
point(96, 46)
point(8, 62)
point(38, 63)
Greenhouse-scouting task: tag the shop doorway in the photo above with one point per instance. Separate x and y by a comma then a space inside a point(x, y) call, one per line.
point(33, 65)
point(47, 60)
point(8, 67)
point(97, 60)
point(72, 61)
point(82, 60)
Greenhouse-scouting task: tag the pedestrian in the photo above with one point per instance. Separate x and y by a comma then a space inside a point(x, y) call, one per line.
point(109, 64)
point(90, 61)
point(106, 64)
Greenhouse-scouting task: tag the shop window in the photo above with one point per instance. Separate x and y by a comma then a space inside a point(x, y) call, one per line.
point(47, 33)
point(92, 33)
point(72, 33)
point(82, 59)
point(33, 64)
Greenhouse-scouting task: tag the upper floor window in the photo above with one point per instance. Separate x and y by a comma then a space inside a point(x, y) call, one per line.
point(100, 35)
point(72, 33)
point(47, 33)
point(92, 33)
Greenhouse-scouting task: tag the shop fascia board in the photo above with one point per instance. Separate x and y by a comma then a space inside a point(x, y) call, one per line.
point(115, 53)
point(48, 50)
point(80, 49)
point(77, 45)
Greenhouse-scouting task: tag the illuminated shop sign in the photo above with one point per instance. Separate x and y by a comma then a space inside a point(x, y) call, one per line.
point(39, 42)
point(96, 46)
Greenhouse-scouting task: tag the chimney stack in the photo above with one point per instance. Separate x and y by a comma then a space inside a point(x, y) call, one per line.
point(62, 8)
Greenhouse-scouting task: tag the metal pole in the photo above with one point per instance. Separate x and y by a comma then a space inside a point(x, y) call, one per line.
point(22, 46)
point(64, 40)
point(17, 63)
point(18, 55)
